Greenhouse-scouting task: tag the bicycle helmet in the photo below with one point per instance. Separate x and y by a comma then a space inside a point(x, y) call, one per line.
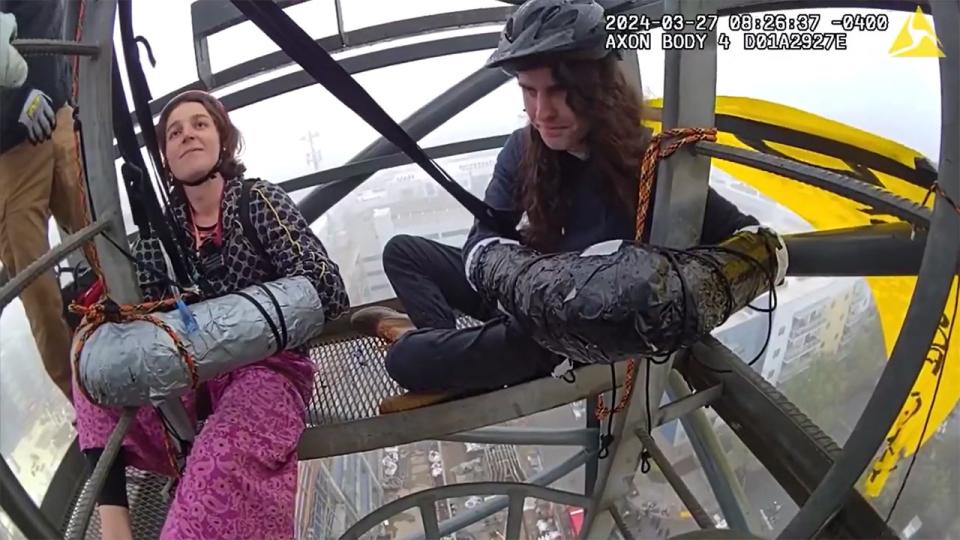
point(568, 28)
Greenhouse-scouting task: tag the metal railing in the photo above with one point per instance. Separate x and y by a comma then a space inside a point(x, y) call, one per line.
point(935, 273)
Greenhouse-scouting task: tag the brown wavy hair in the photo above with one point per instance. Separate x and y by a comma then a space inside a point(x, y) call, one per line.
point(231, 141)
point(616, 139)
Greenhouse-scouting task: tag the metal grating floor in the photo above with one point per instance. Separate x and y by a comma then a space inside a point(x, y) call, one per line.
point(351, 379)
point(148, 507)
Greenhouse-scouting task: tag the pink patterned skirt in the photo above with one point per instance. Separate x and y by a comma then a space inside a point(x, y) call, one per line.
point(240, 479)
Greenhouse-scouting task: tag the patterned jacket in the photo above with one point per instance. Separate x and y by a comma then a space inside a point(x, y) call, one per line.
point(293, 249)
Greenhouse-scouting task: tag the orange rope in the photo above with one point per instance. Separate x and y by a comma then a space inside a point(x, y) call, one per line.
point(89, 248)
point(648, 169)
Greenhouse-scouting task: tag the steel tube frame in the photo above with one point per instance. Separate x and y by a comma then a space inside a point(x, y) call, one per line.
point(353, 65)
point(54, 46)
point(456, 416)
point(844, 186)
point(334, 44)
point(890, 249)
point(48, 260)
point(683, 492)
point(655, 9)
point(86, 502)
point(706, 445)
point(66, 485)
point(96, 77)
point(94, 72)
point(937, 271)
point(688, 403)
point(16, 502)
point(428, 118)
point(621, 525)
point(540, 436)
point(747, 4)
point(682, 185)
point(208, 18)
point(786, 442)
point(375, 165)
point(425, 500)
point(465, 519)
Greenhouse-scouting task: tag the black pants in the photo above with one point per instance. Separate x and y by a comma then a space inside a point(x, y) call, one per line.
point(429, 280)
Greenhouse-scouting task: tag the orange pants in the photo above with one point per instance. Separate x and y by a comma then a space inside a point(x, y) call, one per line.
point(35, 181)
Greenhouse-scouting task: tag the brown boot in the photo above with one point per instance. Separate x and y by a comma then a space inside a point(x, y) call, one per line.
point(382, 322)
point(414, 400)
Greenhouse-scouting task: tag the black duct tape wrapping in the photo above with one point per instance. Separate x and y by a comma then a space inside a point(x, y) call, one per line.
point(619, 300)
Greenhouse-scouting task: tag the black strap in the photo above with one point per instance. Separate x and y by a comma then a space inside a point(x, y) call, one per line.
point(276, 305)
point(134, 170)
point(147, 214)
point(281, 339)
point(301, 48)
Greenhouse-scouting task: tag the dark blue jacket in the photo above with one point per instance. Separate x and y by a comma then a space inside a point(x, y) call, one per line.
point(590, 219)
point(36, 19)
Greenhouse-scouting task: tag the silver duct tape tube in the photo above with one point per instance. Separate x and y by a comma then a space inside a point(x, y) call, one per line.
point(135, 363)
point(618, 299)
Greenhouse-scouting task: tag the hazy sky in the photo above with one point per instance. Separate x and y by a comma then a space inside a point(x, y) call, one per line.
point(896, 98)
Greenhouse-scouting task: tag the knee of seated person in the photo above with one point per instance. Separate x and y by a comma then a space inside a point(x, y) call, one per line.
point(401, 363)
point(396, 252)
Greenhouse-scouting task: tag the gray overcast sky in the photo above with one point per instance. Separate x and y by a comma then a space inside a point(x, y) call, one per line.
point(897, 98)
point(864, 86)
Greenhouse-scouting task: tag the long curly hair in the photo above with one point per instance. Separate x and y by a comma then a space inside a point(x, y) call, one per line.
point(616, 139)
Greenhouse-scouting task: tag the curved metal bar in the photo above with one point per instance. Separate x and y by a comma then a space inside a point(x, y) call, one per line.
point(654, 8)
point(844, 186)
point(426, 119)
point(937, 270)
point(86, 503)
point(54, 46)
point(16, 502)
point(48, 260)
point(540, 436)
point(362, 37)
point(353, 65)
point(465, 519)
point(363, 62)
point(370, 166)
point(425, 499)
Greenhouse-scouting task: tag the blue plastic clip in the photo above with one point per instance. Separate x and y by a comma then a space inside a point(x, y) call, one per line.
point(189, 321)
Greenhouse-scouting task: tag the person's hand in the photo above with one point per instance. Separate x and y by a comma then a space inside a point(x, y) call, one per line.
point(38, 116)
point(13, 68)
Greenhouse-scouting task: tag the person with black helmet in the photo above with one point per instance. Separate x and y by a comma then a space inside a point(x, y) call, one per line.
point(569, 179)
point(240, 478)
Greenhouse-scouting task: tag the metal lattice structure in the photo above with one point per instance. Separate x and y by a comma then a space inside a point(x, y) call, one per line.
point(149, 502)
point(351, 381)
point(816, 472)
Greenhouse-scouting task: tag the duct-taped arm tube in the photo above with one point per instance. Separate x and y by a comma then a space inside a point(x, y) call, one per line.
point(619, 299)
point(134, 363)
